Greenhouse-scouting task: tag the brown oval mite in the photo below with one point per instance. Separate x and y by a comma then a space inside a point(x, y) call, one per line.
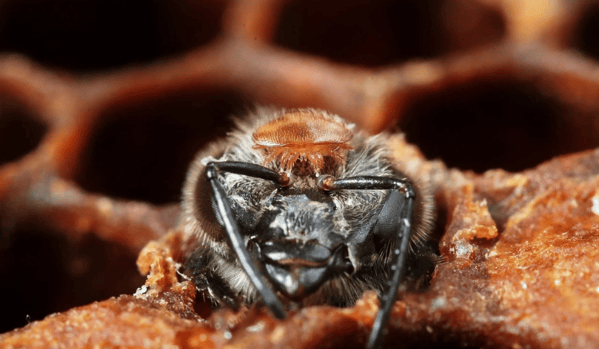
point(307, 136)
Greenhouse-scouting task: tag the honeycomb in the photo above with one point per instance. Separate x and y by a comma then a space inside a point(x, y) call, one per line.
point(103, 105)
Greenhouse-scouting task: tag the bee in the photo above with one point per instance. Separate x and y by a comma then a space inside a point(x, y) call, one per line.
point(298, 207)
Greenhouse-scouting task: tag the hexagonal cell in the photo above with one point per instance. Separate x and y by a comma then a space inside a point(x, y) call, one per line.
point(375, 33)
point(20, 132)
point(142, 151)
point(586, 33)
point(43, 272)
point(486, 125)
point(93, 35)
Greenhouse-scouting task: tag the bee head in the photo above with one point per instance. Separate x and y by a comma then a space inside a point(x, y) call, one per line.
point(299, 244)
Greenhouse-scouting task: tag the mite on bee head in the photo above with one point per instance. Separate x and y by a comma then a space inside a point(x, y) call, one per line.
point(298, 207)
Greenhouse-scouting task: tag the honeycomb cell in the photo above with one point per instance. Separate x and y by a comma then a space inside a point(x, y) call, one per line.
point(374, 33)
point(487, 125)
point(43, 272)
point(586, 34)
point(93, 35)
point(142, 151)
point(20, 132)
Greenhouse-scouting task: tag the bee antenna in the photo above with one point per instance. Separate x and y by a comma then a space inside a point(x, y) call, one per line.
point(232, 228)
point(403, 234)
point(400, 253)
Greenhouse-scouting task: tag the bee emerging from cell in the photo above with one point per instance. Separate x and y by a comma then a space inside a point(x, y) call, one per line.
point(299, 208)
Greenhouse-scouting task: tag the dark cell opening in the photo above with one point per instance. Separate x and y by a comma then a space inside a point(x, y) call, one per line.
point(143, 151)
point(487, 125)
point(586, 35)
point(42, 273)
point(97, 34)
point(374, 33)
point(20, 132)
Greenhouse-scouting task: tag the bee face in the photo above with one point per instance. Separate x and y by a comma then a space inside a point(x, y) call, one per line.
point(258, 199)
point(305, 238)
